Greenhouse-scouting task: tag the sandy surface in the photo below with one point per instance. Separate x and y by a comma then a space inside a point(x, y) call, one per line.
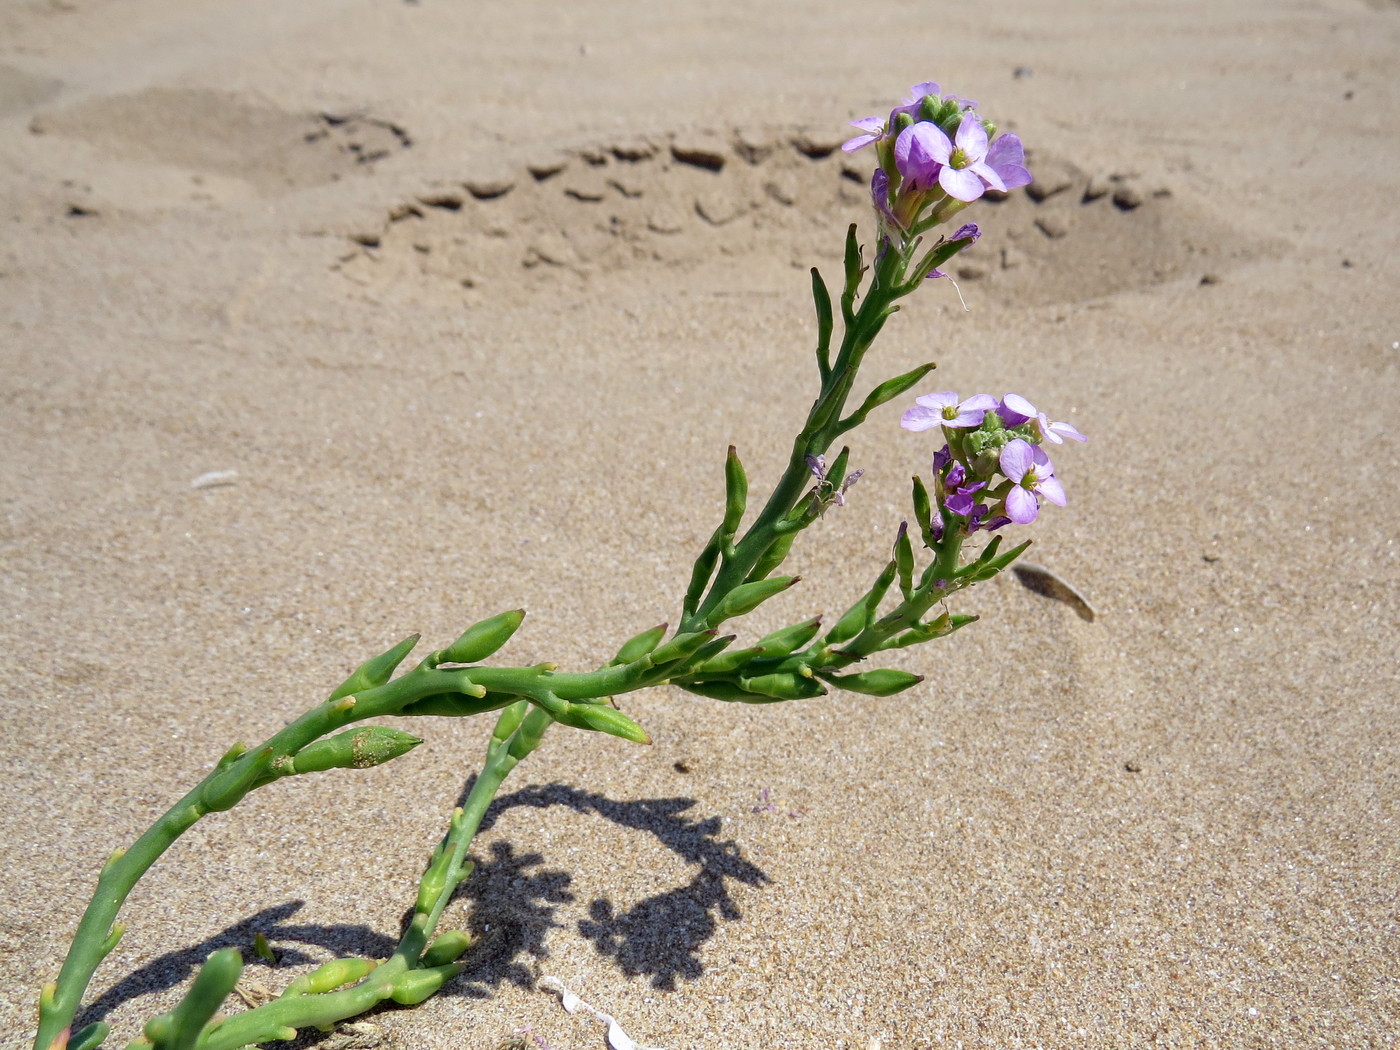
point(270, 238)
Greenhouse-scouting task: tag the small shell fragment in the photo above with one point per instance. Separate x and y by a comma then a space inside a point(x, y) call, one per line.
point(1042, 581)
point(214, 479)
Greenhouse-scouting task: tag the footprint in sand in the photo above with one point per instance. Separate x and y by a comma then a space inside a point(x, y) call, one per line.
point(683, 201)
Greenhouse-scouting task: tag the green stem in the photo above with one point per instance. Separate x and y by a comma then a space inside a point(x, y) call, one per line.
point(822, 427)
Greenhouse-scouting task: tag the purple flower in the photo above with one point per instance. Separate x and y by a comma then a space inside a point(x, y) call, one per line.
point(969, 232)
point(924, 154)
point(959, 497)
point(880, 194)
point(932, 410)
point(874, 128)
point(1008, 159)
point(1015, 410)
point(1032, 476)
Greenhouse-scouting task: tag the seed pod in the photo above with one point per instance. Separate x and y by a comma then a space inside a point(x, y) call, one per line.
point(880, 682)
point(482, 639)
point(352, 749)
point(747, 597)
point(377, 671)
point(447, 948)
point(639, 645)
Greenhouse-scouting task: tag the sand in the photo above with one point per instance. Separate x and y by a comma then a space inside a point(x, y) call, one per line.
point(319, 245)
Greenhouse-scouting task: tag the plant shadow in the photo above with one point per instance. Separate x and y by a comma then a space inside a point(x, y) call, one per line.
point(662, 935)
point(513, 903)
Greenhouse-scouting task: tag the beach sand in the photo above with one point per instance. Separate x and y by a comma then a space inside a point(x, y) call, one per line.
point(460, 305)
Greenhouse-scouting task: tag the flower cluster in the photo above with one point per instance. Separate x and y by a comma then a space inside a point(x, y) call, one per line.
point(936, 155)
point(992, 471)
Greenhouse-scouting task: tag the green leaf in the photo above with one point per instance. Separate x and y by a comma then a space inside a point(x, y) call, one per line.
point(923, 512)
point(880, 682)
point(682, 647)
point(602, 719)
point(357, 748)
point(904, 561)
point(377, 671)
point(736, 492)
point(886, 391)
point(783, 686)
point(482, 639)
point(854, 272)
point(747, 597)
point(790, 639)
point(825, 323)
point(90, 1037)
point(728, 692)
point(773, 557)
point(701, 573)
point(457, 705)
point(447, 948)
point(639, 645)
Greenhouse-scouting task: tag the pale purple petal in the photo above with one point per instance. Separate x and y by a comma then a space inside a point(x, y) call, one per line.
point(980, 402)
point(987, 175)
point(920, 152)
point(968, 231)
point(938, 401)
point(919, 91)
point(1017, 457)
point(1015, 410)
point(1052, 490)
point(961, 185)
point(1053, 431)
point(1007, 149)
point(972, 138)
point(921, 417)
point(1008, 157)
point(873, 127)
point(1021, 506)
